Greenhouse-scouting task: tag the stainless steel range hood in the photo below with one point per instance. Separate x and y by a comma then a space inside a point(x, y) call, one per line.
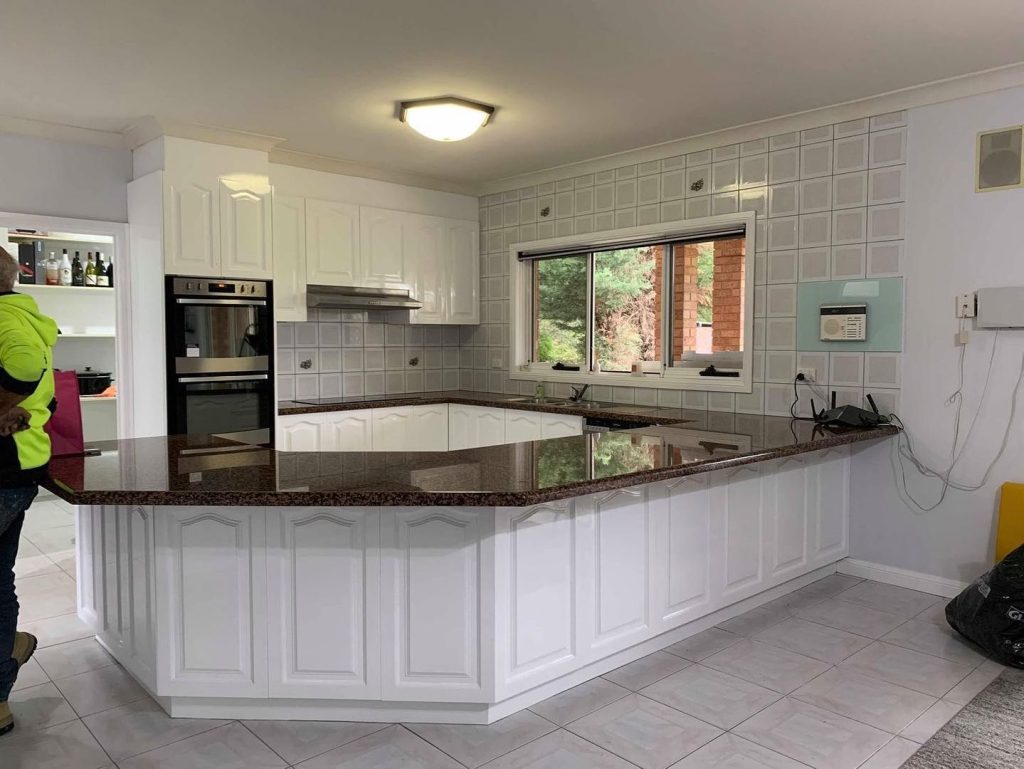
point(358, 298)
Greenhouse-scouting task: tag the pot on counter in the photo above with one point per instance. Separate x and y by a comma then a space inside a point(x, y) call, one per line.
point(92, 382)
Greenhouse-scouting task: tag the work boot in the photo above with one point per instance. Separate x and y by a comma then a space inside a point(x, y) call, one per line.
point(6, 718)
point(24, 647)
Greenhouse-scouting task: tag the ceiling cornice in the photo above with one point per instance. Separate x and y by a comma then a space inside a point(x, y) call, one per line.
point(147, 128)
point(935, 92)
point(60, 132)
point(332, 165)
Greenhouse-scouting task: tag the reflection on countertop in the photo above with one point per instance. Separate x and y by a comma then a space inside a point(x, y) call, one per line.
point(203, 470)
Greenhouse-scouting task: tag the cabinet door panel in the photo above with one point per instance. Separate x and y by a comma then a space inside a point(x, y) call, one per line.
point(192, 246)
point(463, 273)
point(348, 431)
point(411, 428)
point(522, 426)
point(382, 248)
point(558, 426)
point(246, 230)
point(426, 251)
point(300, 433)
point(332, 243)
point(472, 426)
point(430, 629)
point(324, 593)
point(289, 258)
point(829, 493)
point(685, 549)
point(212, 636)
point(786, 492)
point(740, 504)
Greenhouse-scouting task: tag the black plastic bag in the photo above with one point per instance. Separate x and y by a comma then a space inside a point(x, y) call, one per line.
point(991, 611)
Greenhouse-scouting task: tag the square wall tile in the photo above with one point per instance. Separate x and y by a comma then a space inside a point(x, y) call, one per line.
point(604, 197)
point(584, 201)
point(648, 168)
point(781, 300)
point(815, 230)
point(850, 190)
point(784, 141)
point(604, 221)
point(782, 234)
point(727, 152)
point(672, 185)
point(885, 259)
point(755, 147)
point(725, 203)
point(753, 171)
point(847, 369)
point(672, 211)
point(725, 176)
point(625, 193)
point(721, 401)
point(812, 135)
point(887, 185)
point(698, 180)
point(815, 195)
point(814, 264)
point(783, 166)
point(780, 333)
point(672, 163)
point(779, 366)
point(698, 207)
point(816, 160)
point(888, 147)
point(644, 215)
point(603, 177)
point(817, 361)
point(882, 369)
point(648, 190)
point(848, 261)
point(851, 128)
point(849, 226)
point(783, 199)
point(625, 172)
point(850, 154)
point(703, 157)
point(754, 199)
point(889, 120)
point(782, 267)
point(885, 222)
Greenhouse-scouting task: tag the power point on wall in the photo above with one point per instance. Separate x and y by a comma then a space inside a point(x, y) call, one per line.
point(806, 374)
point(966, 305)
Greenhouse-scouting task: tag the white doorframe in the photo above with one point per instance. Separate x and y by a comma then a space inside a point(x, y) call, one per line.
point(123, 308)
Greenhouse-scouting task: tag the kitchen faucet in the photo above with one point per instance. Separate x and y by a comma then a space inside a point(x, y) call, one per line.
point(578, 393)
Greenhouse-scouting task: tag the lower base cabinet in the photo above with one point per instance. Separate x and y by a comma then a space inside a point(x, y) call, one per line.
point(439, 604)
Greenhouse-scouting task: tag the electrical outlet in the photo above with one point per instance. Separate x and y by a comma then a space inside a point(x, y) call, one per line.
point(808, 373)
point(965, 305)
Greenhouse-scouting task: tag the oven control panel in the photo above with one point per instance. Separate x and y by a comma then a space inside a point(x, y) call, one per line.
point(213, 287)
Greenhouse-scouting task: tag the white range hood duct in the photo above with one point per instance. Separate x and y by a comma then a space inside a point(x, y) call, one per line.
point(358, 298)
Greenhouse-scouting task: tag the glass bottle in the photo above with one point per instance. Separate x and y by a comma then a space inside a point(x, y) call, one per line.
point(90, 270)
point(101, 271)
point(52, 270)
point(77, 273)
point(65, 269)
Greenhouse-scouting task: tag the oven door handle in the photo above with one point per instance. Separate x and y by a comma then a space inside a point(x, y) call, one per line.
point(203, 379)
point(214, 302)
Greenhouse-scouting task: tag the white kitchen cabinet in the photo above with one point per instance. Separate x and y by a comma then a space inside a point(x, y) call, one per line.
point(191, 225)
point(289, 258)
point(323, 586)
point(463, 273)
point(332, 243)
point(300, 432)
point(411, 428)
point(521, 426)
point(383, 254)
point(347, 430)
point(473, 426)
point(426, 247)
point(246, 229)
point(560, 425)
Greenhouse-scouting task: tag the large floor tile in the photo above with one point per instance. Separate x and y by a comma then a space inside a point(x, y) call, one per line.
point(579, 701)
point(476, 745)
point(905, 667)
point(73, 657)
point(814, 736)
point(391, 747)
point(57, 630)
point(768, 666)
point(929, 722)
point(297, 741)
point(646, 670)
point(34, 566)
point(44, 596)
point(931, 638)
point(718, 698)
point(752, 622)
point(868, 700)
point(558, 750)
point(68, 746)
point(101, 689)
point(39, 707)
point(45, 514)
point(30, 674)
point(810, 639)
point(732, 752)
point(227, 747)
point(59, 539)
point(703, 645)
point(142, 726)
point(851, 617)
point(889, 598)
point(935, 613)
point(789, 604)
point(970, 687)
point(645, 732)
point(830, 586)
point(892, 755)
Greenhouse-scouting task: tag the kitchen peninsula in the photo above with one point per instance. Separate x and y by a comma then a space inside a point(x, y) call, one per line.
point(447, 586)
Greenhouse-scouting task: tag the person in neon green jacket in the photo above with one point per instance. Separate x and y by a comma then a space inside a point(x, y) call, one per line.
point(26, 403)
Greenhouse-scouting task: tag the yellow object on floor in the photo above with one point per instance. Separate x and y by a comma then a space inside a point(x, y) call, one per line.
point(1010, 526)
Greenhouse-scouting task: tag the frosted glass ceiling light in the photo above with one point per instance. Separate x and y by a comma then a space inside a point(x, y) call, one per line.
point(447, 119)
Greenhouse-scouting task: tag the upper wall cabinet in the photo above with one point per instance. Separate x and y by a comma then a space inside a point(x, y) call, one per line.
point(463, 277)
point(289, 258)
point(217, 226)
point(445, 262)
point(384, 248)
point(332, 243)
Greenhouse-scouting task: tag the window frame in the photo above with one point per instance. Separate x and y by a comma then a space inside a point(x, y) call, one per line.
point(673, 378)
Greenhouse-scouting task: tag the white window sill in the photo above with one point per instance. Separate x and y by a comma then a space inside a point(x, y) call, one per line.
point(669, 381)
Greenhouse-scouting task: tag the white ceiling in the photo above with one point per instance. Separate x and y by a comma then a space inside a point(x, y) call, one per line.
point(572, 79)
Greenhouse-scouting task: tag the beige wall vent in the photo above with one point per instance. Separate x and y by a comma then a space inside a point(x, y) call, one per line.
point(1000, 159)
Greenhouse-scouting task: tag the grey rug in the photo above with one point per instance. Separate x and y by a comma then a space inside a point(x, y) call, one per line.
point(987, 734)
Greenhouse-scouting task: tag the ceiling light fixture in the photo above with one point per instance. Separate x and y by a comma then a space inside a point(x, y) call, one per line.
point(447, 119)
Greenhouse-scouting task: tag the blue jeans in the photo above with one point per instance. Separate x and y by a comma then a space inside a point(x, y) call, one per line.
point(13, 504)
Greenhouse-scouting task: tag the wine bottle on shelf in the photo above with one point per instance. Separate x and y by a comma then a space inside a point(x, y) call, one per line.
point(77, 273)
point(52, 270)
point(110, 273)
point(40, 262)
point(101, 271)
point(65, 269)
point(90, 270)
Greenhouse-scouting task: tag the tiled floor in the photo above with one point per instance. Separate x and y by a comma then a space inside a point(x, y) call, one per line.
point(838, 675)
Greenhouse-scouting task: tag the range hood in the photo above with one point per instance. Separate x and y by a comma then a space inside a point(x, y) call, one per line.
point(358, 298)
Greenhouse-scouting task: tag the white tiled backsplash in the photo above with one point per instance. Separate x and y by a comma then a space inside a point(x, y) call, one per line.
point(829, 204)
point(339, 353)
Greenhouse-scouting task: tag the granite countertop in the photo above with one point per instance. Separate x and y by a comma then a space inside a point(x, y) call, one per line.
point(204, 470)
point(551, 405)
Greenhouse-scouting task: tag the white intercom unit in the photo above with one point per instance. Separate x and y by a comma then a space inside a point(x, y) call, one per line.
point(844, 322)
point(1001, 307)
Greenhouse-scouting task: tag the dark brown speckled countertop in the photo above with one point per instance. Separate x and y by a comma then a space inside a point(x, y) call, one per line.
point(201, 470)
